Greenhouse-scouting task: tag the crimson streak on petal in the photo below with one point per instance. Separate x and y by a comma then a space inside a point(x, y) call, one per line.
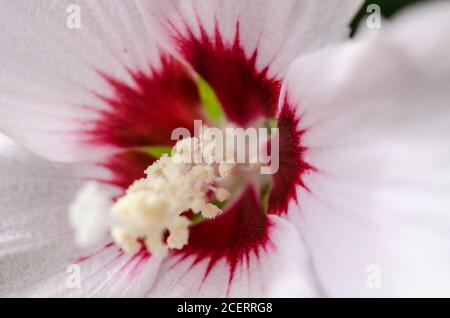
point(167, 98)
point(243, 229)
point(292, 164)
point(246, 94)
point(146, 113)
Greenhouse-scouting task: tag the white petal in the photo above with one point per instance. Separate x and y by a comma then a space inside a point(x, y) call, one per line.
point(282, 270)
point(34, 199)
point(280, 30)
point(377, 119)
point(49, 71)
point(106, 273)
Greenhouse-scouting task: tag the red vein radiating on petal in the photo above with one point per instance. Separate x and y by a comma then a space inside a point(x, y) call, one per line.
point(84, 258)
point(241, 230)
point(135, 263)
point(292, 164)
point(146, 113)
point(245, 92)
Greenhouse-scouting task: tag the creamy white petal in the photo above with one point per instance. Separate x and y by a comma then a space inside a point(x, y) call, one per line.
point(50, 71)
point(377, 119)
point(279, 30)
point(282, 269)
point(34, 198)
point(37, 253)
point(108, 272)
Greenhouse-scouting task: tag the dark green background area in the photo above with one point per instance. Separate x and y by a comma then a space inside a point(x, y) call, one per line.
point(388, 8)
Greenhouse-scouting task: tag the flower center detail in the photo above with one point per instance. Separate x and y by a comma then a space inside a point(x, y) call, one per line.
point(154, 205)
point(176, 192)
point(224, 87)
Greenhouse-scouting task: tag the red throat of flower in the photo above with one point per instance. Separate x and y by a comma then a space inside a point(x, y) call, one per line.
point(145, 114)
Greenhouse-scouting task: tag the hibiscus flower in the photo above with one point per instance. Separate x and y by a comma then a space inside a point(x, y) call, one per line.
point(363, 170)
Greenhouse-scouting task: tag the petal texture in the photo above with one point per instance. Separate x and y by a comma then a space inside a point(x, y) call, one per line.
point(281, 268)
point(36, 242)
point(50, 72)
point(376, 120)
point(34, 230)
point(242, 49)
point(277, 31)
point(106, 273)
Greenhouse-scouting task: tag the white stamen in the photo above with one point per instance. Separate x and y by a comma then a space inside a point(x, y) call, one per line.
point(179, 233)
point(150, 213)
point(89, 215)
point(154, 204)
point(222, 194)
point(210, 211)
point(129, 243)
point(226, 169)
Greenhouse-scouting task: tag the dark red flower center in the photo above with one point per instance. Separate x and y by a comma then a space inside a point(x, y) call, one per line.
point(166, 98)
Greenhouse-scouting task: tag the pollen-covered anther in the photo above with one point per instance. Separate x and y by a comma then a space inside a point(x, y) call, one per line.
point(226, 170)
point(150, 212)
point(154, 244)
point(179, 233)
point(222, 194)
point(203, 173)
point(210, 211)
point(123, 238)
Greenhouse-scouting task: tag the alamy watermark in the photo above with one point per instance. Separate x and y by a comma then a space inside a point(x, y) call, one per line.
point(373, 280)
point(73, 279)
point(73, 20)
point(254, 146)
point(373, 20)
